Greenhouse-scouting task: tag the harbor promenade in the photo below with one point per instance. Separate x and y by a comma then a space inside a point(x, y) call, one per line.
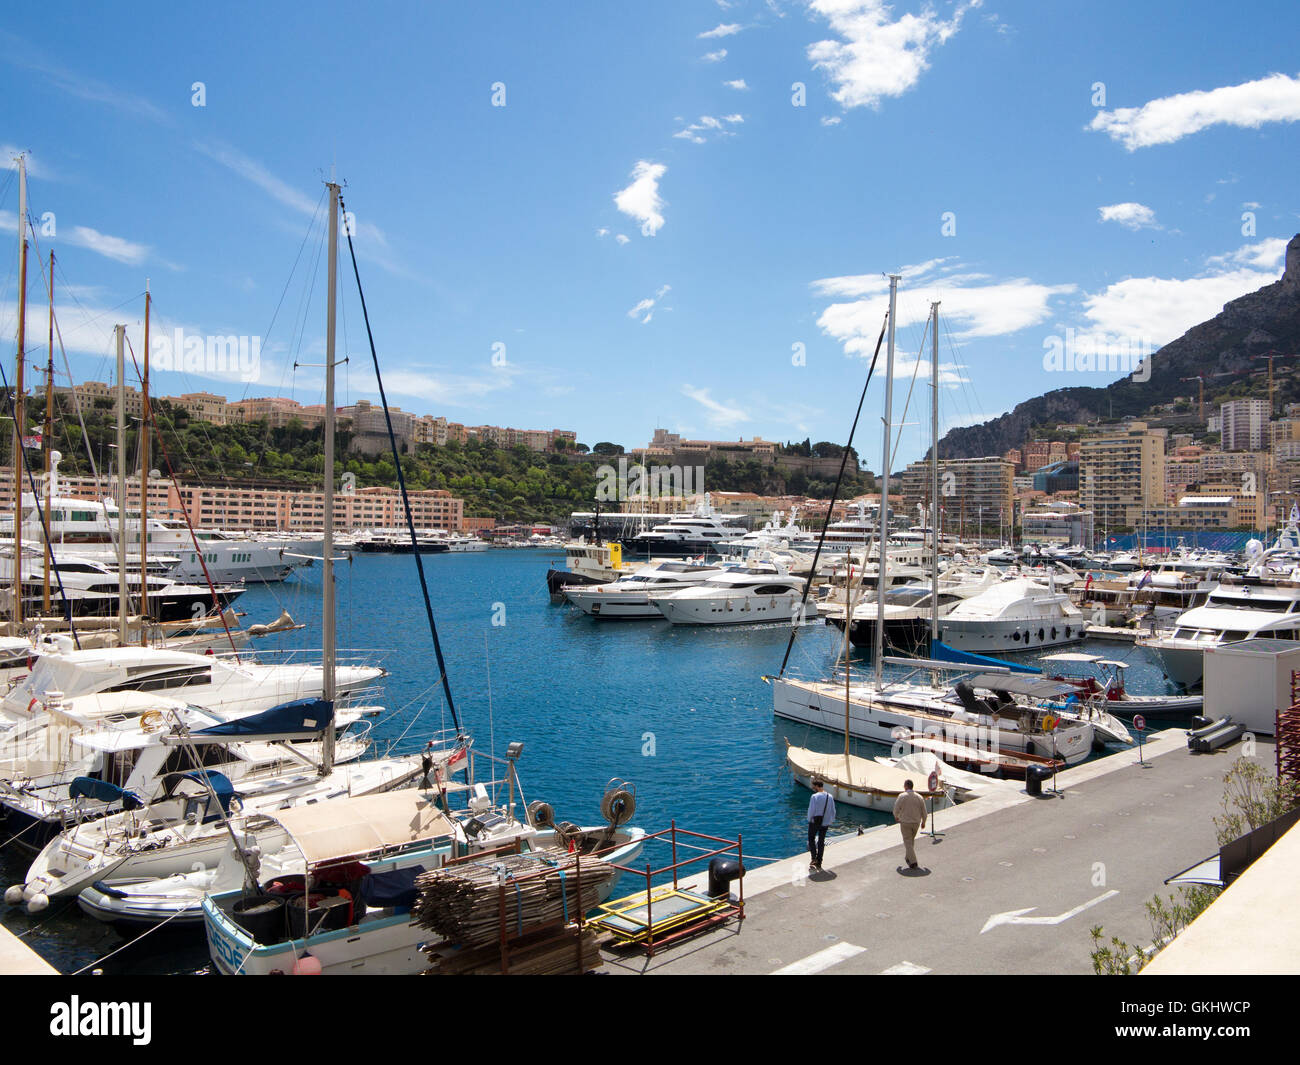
point(1011, 884)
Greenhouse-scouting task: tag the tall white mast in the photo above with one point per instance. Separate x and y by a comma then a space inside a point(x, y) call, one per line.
point(882, 522)
point(122, 602)
point(328, 636)
point(934, 474)
point(19, 406)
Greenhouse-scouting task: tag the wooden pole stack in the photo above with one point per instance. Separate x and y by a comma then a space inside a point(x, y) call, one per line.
point(475, 904)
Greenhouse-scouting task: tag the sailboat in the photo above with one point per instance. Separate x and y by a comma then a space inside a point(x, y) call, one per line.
point(1012, 716)
point(848, 778)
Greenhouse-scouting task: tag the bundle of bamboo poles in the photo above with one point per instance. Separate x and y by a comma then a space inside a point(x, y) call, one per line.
point(551, 951)
point(463, 903)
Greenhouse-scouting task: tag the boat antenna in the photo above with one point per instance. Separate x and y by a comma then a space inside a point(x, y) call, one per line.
point(401, 481)
point(830, 507)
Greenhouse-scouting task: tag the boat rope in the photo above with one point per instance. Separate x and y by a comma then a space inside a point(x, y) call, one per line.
point(131, 942)
point(401, 480)
point(830, 507)
point(45, 528)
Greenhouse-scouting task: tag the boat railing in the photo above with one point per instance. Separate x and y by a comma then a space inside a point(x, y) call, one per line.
point(367, 657)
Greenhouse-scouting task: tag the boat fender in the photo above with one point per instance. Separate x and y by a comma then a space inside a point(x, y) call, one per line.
point(307, 965)
point(14, 895)
point(38, 903)
point(31, 704)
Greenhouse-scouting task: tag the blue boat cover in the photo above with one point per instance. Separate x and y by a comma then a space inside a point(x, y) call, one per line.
point(394, 888)
point(941, 652)
point(219, 782)
point(303, 718)
point(103, 791)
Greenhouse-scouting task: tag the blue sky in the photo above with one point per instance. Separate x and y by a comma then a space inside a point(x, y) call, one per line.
point(650, 225)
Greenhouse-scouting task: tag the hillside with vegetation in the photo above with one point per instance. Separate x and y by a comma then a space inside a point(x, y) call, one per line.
point(511, 484)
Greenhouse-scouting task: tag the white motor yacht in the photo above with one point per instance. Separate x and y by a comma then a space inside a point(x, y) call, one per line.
point(629, 596)
point(755, 593)
point(1014, 615)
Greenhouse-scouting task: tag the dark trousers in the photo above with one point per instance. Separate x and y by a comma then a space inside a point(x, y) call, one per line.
point(817, 839)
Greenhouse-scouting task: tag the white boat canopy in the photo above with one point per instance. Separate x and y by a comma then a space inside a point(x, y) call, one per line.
point(349, 828)
point(1072, 656)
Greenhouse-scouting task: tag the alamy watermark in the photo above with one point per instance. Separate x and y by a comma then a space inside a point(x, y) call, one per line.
point(210, 355)
point(615, 484)
point(1088, 353)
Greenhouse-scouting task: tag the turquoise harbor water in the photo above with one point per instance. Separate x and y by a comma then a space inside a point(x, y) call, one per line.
point(682, 713)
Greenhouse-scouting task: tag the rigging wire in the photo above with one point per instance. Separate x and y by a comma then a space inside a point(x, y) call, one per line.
point(830, 506)
point(401, 481)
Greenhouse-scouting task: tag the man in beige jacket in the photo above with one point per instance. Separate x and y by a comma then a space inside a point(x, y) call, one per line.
point(909, 812)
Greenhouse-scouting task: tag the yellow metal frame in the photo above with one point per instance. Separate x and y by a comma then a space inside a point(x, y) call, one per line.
point(622, 908)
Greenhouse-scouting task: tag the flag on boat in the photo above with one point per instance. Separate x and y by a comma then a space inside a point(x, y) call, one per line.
point(33, 442)
point(1146, 579)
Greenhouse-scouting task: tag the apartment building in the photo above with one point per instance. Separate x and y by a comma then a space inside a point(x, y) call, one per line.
point(971, 491)
point(1121, 473)
point(1244, 424)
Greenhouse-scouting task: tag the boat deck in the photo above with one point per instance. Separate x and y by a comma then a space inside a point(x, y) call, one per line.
point(1011, 884)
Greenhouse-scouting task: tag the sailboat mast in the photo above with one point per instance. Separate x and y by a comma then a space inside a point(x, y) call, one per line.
point(47, 440)
point(122, 602)
point(19, 406)
point(327, 543)
point(934, 474)
point(882, 521)
point(144, 477)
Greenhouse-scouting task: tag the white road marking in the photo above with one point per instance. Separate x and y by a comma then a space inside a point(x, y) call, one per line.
point(1017, 916)
point(905, 968)
point(823, 959)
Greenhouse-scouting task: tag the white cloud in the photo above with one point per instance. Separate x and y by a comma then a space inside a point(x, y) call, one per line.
point(697, 132)
point(831, 120)
point(1129, 215)
point(117, 248)
point(719, 414)
point(641, 199)
point(1158, 309)
point(602, 232)
point(739, 85)
point(36, 168)
point(715, 57)
point(622, 239)
point(974, 304)
point(645, 308)
point(727, 29)
point(1275, 98)
point(876, 57)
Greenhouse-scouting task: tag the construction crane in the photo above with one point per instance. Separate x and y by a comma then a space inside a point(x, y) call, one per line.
point(1271, 355)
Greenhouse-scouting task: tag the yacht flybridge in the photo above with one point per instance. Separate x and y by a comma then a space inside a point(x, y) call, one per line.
point(703, 531)
point(1239, 608)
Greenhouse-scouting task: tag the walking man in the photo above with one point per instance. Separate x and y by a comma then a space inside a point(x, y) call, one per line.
point(909, 812)
point(821, 812)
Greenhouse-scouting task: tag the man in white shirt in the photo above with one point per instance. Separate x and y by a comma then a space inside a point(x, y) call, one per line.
point(821, 812)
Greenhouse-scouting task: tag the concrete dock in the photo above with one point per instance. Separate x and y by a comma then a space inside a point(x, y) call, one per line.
point(1011, 884)
point(18, 959)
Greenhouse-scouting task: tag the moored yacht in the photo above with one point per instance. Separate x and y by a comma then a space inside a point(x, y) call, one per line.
point(748, 595)
point(703, 531)
point(629, 595)
point(1014, 615)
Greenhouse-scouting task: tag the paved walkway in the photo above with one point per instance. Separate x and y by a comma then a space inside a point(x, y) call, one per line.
point(18, 959)
point(1011, 885)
